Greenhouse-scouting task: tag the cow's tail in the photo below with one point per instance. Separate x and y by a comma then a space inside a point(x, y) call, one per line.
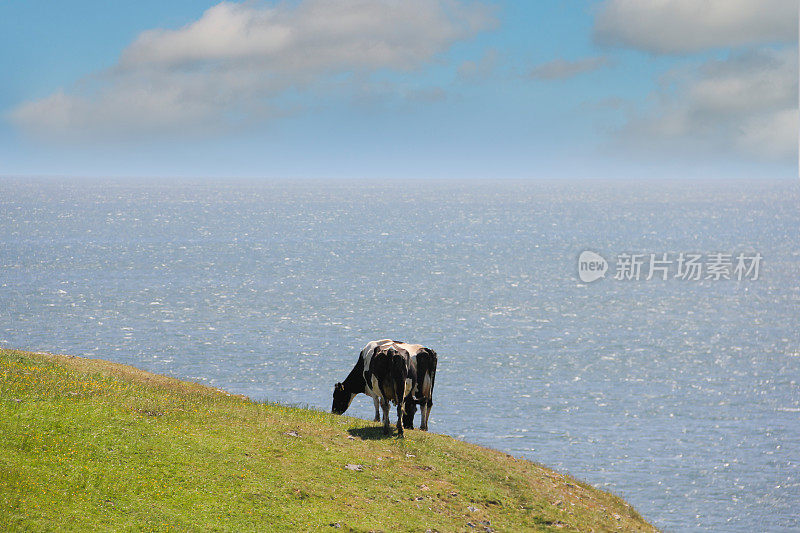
point(399, 367)
point(426, 371)
point(426, 377)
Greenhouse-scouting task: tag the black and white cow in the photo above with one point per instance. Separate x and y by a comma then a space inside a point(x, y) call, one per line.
point(377, 377)
point(354, 384)
point(423, 361)
point(389, 375)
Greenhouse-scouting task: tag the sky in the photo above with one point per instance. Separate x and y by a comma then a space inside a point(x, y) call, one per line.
point(399, 89)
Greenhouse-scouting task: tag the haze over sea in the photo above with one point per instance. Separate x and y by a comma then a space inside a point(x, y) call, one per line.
point(681, 396)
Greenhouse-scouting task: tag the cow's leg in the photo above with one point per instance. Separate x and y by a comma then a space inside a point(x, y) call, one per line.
point(425, 407)
point(402, 389)
point(400, 412)
point(385, 406)
point(408, 416)
point(377, 408)
point(427, 399)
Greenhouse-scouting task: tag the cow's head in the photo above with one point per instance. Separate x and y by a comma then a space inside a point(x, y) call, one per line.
point(341, 399)
point(409, 410)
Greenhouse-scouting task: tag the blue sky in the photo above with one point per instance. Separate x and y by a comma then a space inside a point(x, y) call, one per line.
point(389, 89)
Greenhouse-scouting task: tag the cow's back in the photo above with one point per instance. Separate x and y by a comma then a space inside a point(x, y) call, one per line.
point(369, 350)
point(412, 349)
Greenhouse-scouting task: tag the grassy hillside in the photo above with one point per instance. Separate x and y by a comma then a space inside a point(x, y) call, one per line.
point(91, 445)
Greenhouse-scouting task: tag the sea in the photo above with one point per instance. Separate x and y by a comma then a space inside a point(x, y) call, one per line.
point(670, 378)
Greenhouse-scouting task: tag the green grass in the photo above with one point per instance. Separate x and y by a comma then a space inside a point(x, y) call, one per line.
point(90, 445)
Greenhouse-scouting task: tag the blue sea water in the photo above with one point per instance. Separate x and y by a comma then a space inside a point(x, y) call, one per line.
point(681, 396)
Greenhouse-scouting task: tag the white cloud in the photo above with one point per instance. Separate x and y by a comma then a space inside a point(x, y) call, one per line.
point(127, 107)
point(316, 35)
point(239, 61)
point(771, 135)
point(480, 69)
point(744, 104)
point(685, 26)
point(560, 69)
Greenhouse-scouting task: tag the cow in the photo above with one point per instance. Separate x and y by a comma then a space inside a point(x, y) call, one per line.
point(420, 371)
point(423, 361)
point(354, 384)
point(388, 374)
